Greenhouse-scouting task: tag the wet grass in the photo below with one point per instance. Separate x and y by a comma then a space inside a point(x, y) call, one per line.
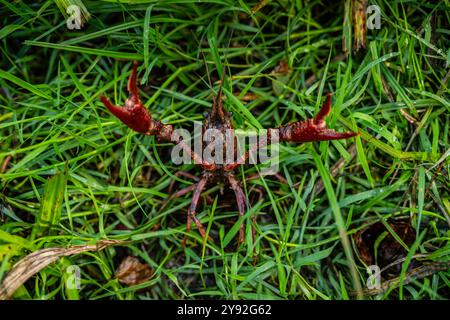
point(75, 175)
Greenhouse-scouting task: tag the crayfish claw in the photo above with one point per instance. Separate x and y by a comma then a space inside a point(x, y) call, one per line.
point(324, 111)
point(329, 134)
point(133, 114)
point(132, 83)
point(313, 129)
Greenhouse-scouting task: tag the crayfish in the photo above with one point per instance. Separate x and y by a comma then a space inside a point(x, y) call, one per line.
point(139, 119)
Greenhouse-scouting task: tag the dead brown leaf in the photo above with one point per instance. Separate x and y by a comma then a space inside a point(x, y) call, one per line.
point(5, 164)
point(261, 4)
point(282, 68)
point(36, 261)
point(131, 271)
point(388, 248)
point(359, 24)
point(249, 96)
point(415, 274)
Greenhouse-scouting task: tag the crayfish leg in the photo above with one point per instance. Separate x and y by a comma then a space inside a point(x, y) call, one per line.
point(193, 207)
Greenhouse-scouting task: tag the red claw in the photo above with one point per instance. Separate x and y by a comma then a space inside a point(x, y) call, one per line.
point(133, 114)
point(313, 129)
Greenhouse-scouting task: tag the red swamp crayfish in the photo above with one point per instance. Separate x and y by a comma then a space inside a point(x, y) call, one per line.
point(139, 119)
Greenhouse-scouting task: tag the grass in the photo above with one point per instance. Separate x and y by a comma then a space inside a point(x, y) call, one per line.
point(76, 175)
